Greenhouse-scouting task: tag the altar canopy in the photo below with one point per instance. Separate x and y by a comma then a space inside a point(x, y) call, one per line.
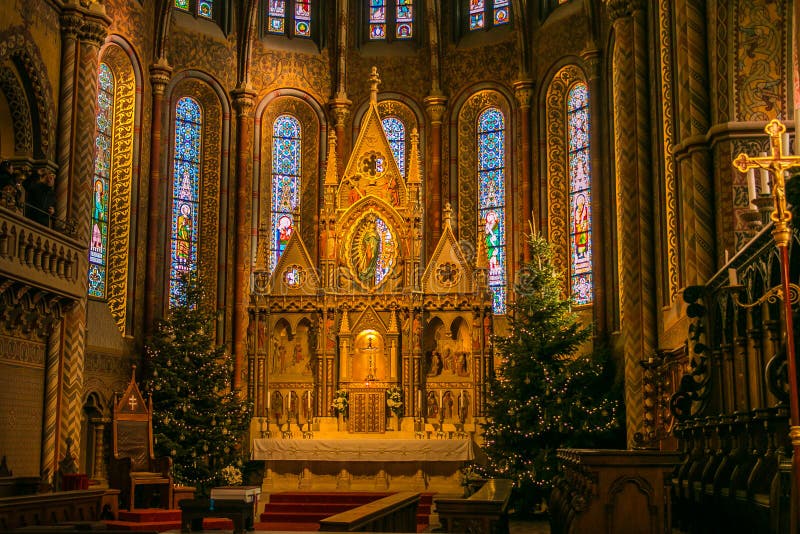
point(361, 310)
point(364, 450)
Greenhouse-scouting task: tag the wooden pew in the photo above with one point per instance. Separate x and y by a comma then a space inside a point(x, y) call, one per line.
point(484, 512)
point(395, 513)
point(51, 508)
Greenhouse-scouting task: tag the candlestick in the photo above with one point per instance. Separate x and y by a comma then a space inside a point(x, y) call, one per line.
point(751, 185)
point(764, 178)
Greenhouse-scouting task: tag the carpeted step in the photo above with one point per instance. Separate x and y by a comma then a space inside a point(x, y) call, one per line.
point(355, 497)
point(328, 507)
point(149, 515)
point(298, 516)
point(288, 527)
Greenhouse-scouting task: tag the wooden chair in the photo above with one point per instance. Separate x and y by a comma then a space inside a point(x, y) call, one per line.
point(133, 462)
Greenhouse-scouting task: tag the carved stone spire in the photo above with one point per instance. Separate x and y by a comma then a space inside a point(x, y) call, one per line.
point(331, 173)
point(447, 213)
point(374, 80)
point(413, 159)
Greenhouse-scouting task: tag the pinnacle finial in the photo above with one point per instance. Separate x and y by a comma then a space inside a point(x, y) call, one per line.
point(374, 80)
point(448, 212)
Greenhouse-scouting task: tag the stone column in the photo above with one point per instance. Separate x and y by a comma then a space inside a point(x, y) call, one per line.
point(340, 107)
point(99, 464)
point(159, 78)
point(634, 192)
point(600, 192)
point(435, 105)
point(71, 22)
point(523, 90)
point(243, 98)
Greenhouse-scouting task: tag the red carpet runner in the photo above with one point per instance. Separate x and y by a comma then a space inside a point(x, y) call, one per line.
point(151, 519)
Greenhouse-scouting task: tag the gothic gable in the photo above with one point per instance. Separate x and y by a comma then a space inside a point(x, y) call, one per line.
point(295, 274)
point(448, 271)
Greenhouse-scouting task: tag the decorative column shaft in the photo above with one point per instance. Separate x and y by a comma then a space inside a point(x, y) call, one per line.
point(600, 193)
point(243, 102)
point(523, 90)
point(159, 78)
point(99, 464)
point(634, 198)
point(435, 105)
point(71, 22)
point(340, 107)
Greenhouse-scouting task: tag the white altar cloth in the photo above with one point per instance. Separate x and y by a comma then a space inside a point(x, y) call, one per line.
point(364, 450)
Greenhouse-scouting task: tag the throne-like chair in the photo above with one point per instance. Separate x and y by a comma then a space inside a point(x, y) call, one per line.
point(133, 464)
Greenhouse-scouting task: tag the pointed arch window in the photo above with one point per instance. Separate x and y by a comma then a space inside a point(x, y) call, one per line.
point(98, 247)
point(292, 18)
point(286, 169)
point(580, 193)
point(492, 200)
point(484, 14)
point(185, 191)
point(396, 134)
point(390, 20)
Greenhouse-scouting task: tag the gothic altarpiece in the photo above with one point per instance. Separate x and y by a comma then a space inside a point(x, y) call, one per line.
point(366, 317)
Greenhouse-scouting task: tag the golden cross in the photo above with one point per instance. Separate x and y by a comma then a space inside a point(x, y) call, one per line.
point(132, 402)
point(777, 162)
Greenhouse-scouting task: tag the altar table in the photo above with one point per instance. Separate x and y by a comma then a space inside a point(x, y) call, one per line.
point(364, 450)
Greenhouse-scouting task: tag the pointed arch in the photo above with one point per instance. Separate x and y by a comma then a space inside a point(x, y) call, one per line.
point(569, 180)
point(113, 180)
point(203, 159)
point(304, 196)
point(484, 176)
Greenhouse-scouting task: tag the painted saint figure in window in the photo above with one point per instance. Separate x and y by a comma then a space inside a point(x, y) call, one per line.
point(486, 13)
point(580, 193)
point(397, 23)
point(98, 246)
point(282, 14)
point(491, 200)
point(286, 186)
point(185, 191)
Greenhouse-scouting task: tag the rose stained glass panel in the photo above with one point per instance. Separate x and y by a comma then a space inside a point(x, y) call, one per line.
point(205, 8)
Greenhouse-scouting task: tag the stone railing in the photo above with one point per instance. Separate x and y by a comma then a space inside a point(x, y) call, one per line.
point(38, 257)
point(395, 513)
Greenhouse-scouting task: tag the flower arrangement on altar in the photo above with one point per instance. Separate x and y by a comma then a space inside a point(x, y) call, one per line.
point(394, 399)
point(231, 475)
point(339, 403)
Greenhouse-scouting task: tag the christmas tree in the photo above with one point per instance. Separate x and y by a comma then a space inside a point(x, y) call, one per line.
point(198, 419)
point(544, 395)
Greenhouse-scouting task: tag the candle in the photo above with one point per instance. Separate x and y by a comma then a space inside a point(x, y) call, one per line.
point(733, 279)
point(289, 402)
point(419, 401)
point(764, 178)
point(309, 403)
point(269, 399)
point(785, 144)
point(751, 184)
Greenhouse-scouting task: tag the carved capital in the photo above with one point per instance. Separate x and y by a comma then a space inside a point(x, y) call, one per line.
point(243, 100)
point(523, 91)
point(435, 105)
point(340, 107)
point(160, 74)
point(618, 9)
point(592, 57)
point(94, 31)
point(71, 23)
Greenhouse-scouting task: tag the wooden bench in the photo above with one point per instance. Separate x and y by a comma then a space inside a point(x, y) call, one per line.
point(484, 512)
point(395, 513)
point(193, 511)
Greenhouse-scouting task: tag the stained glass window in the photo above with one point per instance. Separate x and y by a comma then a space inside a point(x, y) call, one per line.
point(281, 15)
point(580, 193)
point(286, 159)
point(205, 8)
point(385, 22)
point(185, 192)
point(182, 4)
point(485, 13)
point(492, 200)
point(98, 246)
point(396, 134)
